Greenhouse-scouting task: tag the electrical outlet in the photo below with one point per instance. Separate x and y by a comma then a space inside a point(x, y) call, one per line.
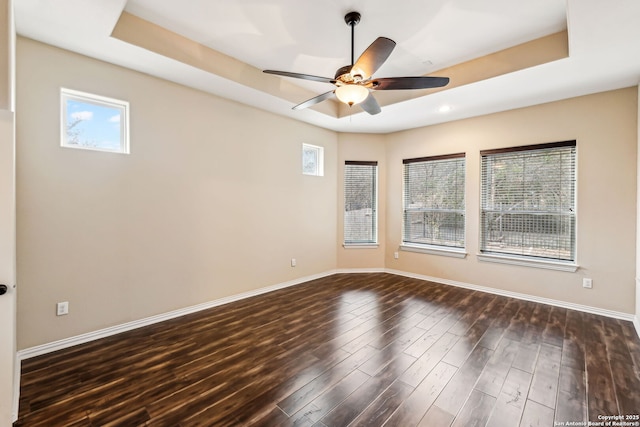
point(62, 308)
point(293, 262)
point(396, 255)
point(587, 283)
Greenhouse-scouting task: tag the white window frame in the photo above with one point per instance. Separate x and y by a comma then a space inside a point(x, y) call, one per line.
point(97, 100)
point(368, 243)
point(315, 168)
point(552, 263)
point(433, 248)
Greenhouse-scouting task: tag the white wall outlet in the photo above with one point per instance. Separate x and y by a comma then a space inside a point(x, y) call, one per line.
point(293, 262)
point(62, 308)
point(587, 283)
point(396, 255)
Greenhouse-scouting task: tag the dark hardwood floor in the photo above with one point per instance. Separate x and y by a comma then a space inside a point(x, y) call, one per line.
point(349, 349)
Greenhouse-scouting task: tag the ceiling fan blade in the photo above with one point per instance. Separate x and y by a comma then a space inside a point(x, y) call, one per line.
point(300, 76)
point(373, 57)
point(370, 105)
point(397, 83)
point(309, 102)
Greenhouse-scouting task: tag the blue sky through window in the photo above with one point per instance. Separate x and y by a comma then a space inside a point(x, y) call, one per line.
point(93, 125)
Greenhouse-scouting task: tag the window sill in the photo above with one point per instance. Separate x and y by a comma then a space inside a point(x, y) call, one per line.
point(360, 245)
point(529, 262)
point(434, 250)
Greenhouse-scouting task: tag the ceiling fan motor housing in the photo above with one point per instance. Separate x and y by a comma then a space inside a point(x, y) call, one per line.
point(344, 74)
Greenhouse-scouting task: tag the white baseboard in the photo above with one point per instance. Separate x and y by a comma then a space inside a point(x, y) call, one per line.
point(360, 270)
point(39, 350)
point(636, 323)
point(526, 297)
point(113, 330)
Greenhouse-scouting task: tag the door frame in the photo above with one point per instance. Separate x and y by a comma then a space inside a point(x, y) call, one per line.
point(9, 364)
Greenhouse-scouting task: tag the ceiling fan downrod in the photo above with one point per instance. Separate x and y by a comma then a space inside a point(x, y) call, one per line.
point(352, 19)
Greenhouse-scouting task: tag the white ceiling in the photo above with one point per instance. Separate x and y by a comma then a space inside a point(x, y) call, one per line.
point(311, 37)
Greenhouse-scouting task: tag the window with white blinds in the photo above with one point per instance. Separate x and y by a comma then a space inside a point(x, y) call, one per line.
point(528, 205)
point(434, 206)
point(360, 202)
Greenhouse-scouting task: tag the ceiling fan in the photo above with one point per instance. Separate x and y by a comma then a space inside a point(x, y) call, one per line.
point(354, 82)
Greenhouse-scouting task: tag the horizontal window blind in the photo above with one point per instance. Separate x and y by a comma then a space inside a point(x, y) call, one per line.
point(528, 201)
point(360, 202)
point(433, 201)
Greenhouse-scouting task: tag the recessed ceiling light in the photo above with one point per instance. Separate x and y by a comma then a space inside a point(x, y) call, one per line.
point(445, 108)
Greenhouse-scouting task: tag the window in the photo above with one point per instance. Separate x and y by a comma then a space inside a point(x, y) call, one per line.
point(360, 202)
point(94, 122)
point(528, 206)
point(312, 160)
point(434, 202)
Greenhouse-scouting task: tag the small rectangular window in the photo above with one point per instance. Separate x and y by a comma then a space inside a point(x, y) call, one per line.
point(528, 205)
point(312, 160)
point(360, 202)
point(434, 206)
point(94, 122)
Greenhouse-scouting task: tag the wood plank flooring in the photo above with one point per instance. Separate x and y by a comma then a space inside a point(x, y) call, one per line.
point(346, 350)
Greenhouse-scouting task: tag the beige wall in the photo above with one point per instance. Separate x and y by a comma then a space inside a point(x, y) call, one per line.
point(363, 147)
point(605, 127)
point(7, 37)
point(211, 201)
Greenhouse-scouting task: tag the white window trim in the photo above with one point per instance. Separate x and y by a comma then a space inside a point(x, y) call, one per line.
point(425, 248)
point(530, 262)
point(360, 245)
point(435, 250)
point(364, 244)
point(89, 98)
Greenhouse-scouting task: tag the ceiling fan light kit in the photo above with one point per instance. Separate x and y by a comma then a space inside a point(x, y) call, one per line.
point(354, 82)
point(351, 94)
